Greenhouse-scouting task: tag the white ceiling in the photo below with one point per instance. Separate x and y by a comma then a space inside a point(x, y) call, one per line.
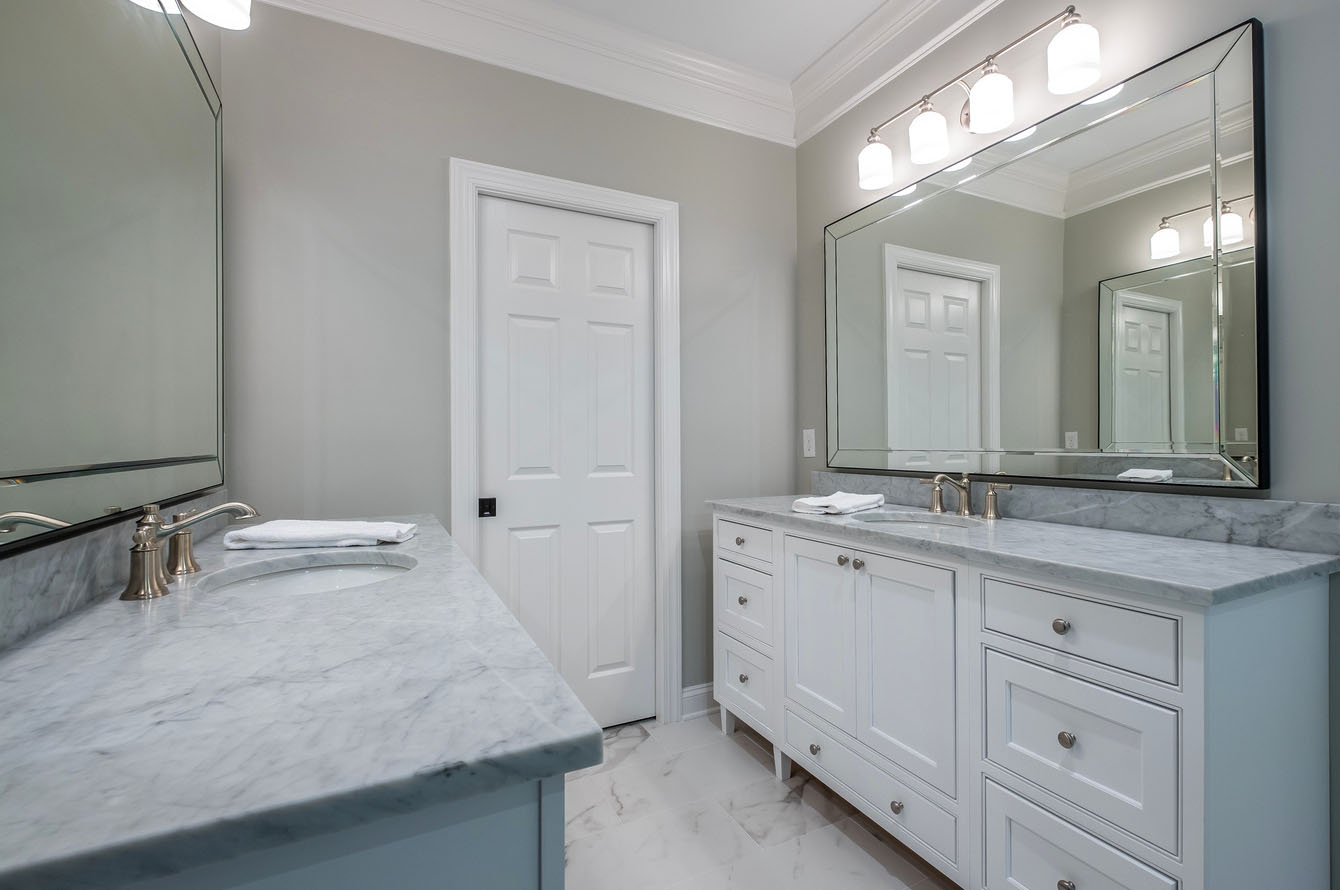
point(779, 39)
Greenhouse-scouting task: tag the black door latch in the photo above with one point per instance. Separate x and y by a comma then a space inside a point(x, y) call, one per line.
point(488, 507)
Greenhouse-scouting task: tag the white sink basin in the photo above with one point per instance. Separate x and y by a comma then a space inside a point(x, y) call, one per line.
point(926, 519)
point(311, 579)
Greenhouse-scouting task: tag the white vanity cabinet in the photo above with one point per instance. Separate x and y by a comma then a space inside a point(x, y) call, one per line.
point(1020, 730)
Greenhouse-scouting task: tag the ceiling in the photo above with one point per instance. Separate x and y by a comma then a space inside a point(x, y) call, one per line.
point(778, 39)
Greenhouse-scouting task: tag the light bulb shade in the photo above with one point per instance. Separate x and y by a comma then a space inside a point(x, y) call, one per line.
point(1209, 231)
point(874, 166)
point(235, 15)
point(928, 136)
point(1073, 58)
point(1165, 243)
point(169, 6)
point(1230, 228)
point(991, 103)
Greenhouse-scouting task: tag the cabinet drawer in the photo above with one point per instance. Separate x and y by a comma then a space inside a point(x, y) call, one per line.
point(744, 682)
point(1114, 755)
point(811, 746)
point(1028, 848)
point(1124, 638)
point(744, 602)
point(736, 537)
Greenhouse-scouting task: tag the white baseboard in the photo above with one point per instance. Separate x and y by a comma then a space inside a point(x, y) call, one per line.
point(697, 701)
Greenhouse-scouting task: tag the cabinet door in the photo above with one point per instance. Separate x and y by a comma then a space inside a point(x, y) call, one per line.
point(821, 631)
point(905, 665)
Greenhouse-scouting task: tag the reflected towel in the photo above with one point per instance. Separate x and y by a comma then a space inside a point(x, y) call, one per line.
point(282, 534)
point(839, 502)
point(1138, 475)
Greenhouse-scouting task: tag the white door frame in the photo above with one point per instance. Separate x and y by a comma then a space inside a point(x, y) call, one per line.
point(1176, 360)
point(987, 275)
point(468, 182)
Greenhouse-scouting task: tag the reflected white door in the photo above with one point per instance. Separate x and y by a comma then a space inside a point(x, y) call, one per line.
point(1143, 397)
point(935, 373)
point(566, 407)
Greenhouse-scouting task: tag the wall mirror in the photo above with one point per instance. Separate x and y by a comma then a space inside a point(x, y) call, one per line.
point(109, 262)
point(1082, 299)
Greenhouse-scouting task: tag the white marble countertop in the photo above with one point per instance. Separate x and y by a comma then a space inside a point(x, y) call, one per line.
point(142, 739)
point(1199, 573)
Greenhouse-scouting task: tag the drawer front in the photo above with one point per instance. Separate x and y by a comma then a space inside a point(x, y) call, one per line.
point(744, 681)
point(744, 602)
point(1028, 848)
point(899, 804)
point(746, 540)
point(1112, 754)
point(1124, 638)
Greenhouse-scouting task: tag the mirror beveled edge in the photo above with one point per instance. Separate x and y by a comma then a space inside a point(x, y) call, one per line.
point(891, 204)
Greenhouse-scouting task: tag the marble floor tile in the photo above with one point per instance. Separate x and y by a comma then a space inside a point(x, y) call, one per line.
point(620, 742)
point(642, 783)
point(717, 769)
point(678, 737)
point(756, 871)
point(846, 855)
point(774, 812)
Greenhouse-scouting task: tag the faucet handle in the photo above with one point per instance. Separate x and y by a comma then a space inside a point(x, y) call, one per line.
point(937, 495)
point(992, 510)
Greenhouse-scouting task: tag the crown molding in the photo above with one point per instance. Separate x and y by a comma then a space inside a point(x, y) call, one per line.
point(562, 45)
point(1024, 183)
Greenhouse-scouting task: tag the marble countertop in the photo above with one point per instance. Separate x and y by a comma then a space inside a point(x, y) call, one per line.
point(1199, 573)
point(143, 739)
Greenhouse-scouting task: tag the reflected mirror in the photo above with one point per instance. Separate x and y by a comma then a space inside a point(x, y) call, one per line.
point(1080, 301)
point(109, 257)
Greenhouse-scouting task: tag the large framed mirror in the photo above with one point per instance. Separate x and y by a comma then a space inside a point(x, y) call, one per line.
point(110, 333)
point(1084, 300)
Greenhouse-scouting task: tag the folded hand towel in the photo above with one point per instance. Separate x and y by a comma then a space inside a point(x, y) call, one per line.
point(1139, 475)
point(282, 534)
point(838, 502)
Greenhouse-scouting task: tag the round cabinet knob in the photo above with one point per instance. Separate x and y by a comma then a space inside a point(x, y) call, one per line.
point(744, 678)
point(1067, 739)
point(1065, 885)
point(739, 542)
point(896, 806)
point(814, 749)
point(858, 564)
point(742, 600)
point(1061, 626)
point(842, 559)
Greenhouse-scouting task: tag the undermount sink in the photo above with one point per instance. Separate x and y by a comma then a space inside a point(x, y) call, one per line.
point(919, 518)
point(287, 579)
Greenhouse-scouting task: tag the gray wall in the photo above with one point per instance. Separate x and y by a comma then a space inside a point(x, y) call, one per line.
point(336, 149)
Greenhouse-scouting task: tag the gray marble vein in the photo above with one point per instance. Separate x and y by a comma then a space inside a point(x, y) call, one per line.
point(1198, 573)
point(142, 739)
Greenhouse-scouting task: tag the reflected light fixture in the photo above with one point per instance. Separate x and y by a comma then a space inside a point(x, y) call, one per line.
point(1165, 242)
point(928, 136)
point(1021, 135)
point(1231, 229)
point(169, 6)
point(233, 15)
point(1073, 59)
point(1104, 95)
point(1073, 63)
point(961, 165)
point(905, 192)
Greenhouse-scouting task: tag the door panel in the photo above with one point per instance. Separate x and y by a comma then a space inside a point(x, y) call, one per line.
point(565, 443)
point(1142, 380)
point(821, 631)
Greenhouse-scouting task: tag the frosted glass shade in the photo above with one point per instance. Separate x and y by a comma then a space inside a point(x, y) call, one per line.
point(170, 6)
point(1230, 229)
point(1073, 59)
point(234, 15)
point(991, 102)
point(874, 166)
point(928, 136)
point(1165, 243)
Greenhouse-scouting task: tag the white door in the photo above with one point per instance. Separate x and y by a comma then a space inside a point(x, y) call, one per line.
point(935, 369)
point(905, 665)
point(566, 409)
point(821, 631)
point(1142, 381)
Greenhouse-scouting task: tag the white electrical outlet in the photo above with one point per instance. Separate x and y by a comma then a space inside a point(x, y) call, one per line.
point(1072, 439)
point(807, 442)
point(1240, 433)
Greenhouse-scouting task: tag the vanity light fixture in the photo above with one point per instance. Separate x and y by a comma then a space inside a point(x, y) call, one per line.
point(1231, 230)
point(1073, 63)
point(1167, 243)
point(169, 6)
point(234, 15)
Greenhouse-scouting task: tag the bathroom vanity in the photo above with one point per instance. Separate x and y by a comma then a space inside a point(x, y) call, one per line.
point(1034, 705)
point(334, 718)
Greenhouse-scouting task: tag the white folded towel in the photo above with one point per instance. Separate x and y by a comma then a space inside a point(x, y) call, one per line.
point(1138, 475)
point(283, 534)
point(838, 502)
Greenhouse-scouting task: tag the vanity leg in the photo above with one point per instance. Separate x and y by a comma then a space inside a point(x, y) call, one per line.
point(781, 763)
point(727, 722)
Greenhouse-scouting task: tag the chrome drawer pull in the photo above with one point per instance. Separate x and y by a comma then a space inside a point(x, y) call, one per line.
point(1067, 739)
point(744, 678)
point(742, 600)
point(858, 563)
point(1063, 884)
point(739, 542)
point(897, 807)
point(1061, 626)
point(842, 559)
point(814, 749)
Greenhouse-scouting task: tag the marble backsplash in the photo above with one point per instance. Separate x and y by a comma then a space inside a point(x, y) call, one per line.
point(41, 585)
point(1284, 525)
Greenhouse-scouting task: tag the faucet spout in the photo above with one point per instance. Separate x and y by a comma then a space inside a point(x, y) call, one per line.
point(182, 521)
point(12, 520)
point(964, 487)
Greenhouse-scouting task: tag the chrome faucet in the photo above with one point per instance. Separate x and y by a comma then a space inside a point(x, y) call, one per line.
point(964, 486)
point(12, 520)
point(148, 578)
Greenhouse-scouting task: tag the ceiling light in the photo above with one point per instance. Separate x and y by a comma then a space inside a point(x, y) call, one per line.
point(169, 6)
point(905, 192)
point(234, 15)
point(928, 135)
point(991, 101)
point(1073, 59)
point(874, 166)
point(1165, 243)
point(1105, 95)
point(1022, 135)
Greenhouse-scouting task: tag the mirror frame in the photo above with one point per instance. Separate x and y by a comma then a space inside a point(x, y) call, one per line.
point(871, 213)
